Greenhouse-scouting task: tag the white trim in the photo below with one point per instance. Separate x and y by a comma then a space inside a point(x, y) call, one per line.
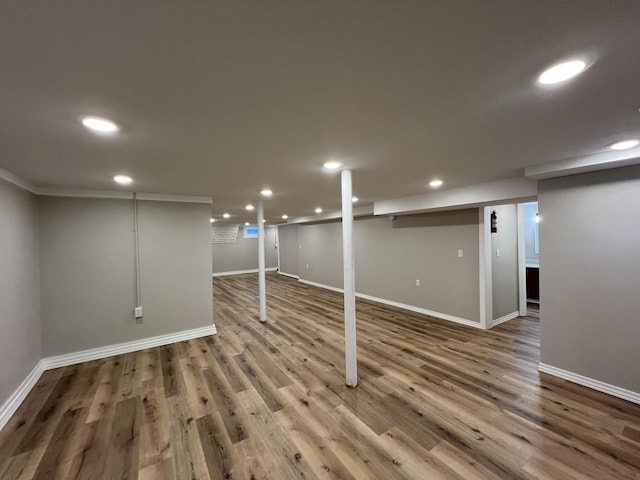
point(289, 275)
point(242, 272)
point(522, 260)
point(17, 181)
point(505, 318)
point(126, 347)
point(590, 383)
point(404, 306)
point(121, 195)
point(11, 405)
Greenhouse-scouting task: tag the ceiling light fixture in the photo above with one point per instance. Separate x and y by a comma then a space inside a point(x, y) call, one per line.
point(625, 145)
point(318, 210)
point(266, 192)
point(435, 183)
point(100, 125)
point(225, 215)
point(354, 199)
point(123, 180)
point(332, 164)
point(212, 220)
point(249, 207)
point(284, 217)
point(562, 72)
point(246, 224)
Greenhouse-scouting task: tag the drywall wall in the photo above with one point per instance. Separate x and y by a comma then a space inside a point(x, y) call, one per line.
point(530, 227)
point(504, 268)
point(590, 273)
point(288, 247)
point(20, 339)
point(243, 254)
point(88, 271)
point(391, 256)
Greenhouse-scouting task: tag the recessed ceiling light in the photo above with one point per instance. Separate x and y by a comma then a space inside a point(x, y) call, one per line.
point(435, 183)
point(246, 224)
point(284, 217)
point(226, 215)
point(212, 220)
point(101, 125)
point(562, 72)
point(249, 207)
point(123, 179)
point(354, 199)
point(266, 192)
point(263, 220)
point(625, 145)
point(318, 210)
point(332, 164)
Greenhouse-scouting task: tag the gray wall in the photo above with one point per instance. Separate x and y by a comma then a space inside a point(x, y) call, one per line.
point(530, 210)
point(590, 275)
point(88, 271)
point(288, 247)
point(243, 254)
point(504, 269)
point(20, 338)
point(390, 256)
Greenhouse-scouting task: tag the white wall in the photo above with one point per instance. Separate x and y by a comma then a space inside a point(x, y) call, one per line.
point(288, 248)
point(243, 254)
point(504, 268)
point(590, 275)
point(88, 271)
point(20, 333)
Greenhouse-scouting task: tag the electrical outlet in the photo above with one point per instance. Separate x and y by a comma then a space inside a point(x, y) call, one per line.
point(497, 252)
point(137, 312)
point(417, 282)
point(307, 265)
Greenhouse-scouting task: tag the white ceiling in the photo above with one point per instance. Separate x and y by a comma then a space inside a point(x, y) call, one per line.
point(223, 98)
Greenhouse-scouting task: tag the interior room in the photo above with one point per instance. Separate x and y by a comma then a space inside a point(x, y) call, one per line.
point(339, 239)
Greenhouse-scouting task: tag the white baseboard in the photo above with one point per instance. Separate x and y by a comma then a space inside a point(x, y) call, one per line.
point(13, 402)
point(591, 383)
point(10, 406)
point(505, 318)
point(289, 275)
point(241, 272)
point(404, 306)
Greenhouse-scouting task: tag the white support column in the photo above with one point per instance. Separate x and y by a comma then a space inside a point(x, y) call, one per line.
point(486, 285)
point(351, 359)
point(261, 276)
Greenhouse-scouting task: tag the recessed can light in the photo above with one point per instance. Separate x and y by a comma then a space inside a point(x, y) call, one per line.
point(266, 192)
point(332, 164)
point(100, 125)
point(435, 183)
point(562, 71)
point(318, 210)
point(123, 179)
point(284, 217)
point(625, 145)
point(212, 220)
point(246, 224)
point(354, 199)
point(263, 220)
point(249, 207)
point(225, 215)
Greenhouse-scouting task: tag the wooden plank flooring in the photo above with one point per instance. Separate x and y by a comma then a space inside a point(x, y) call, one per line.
point(435, 401)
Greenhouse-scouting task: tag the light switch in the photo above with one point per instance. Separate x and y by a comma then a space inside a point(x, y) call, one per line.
point(417, 282)
point(460, 253)
point(497, 252)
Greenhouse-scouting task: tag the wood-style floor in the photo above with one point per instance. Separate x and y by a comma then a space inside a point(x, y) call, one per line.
point(436, 401)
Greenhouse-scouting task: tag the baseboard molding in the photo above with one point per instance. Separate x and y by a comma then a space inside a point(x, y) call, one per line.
point(10, 406)
point(241, 272)
point(126, 347)
point(591, 383)
point(289, 275)
point(505, 318)
point(404, 306)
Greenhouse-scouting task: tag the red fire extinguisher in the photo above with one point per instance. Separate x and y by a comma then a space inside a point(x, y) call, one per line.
point(494, 222)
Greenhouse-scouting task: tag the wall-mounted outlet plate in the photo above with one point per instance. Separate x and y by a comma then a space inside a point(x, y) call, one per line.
point(137, 312)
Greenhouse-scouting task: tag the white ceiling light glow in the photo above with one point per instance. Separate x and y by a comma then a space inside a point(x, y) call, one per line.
point(354, 199)
point(435, 183)
point(212, 220)
point(266, 192)
point(123, 180)
point(246, 224)
point(100, 125)
point(225, 215)
point(284, 217)
point(318, 210)
point(332, 164)
point(625, 145)
point(249, 207)
point(562, 72)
